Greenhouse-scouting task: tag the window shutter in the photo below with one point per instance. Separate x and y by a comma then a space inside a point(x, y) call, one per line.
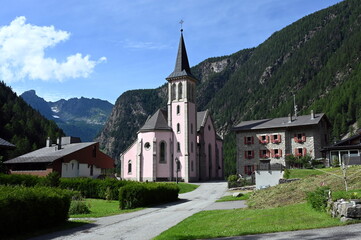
point(280, 152)
point(272, 153)
point(279, 137)
point(272, 138)
point(304, 151)
point(268, 153)
point(303, 137)
point(267, 139)
point(245, 140)
point(252, 140)
point(252, 154)
point(295, 138)
point(260, 139)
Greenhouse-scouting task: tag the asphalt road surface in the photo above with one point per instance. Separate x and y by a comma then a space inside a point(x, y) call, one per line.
point(147, 223)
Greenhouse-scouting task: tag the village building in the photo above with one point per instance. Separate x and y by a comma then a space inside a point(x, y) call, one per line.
point(5, 145)
point(346, 151)
point(69, 157)
point(264, 143)
point(178, 143)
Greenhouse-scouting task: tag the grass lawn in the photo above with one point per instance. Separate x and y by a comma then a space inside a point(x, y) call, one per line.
point(303, 173)
point(231, 198)
point(102, 208)
point(187, 187)
point(225, 223)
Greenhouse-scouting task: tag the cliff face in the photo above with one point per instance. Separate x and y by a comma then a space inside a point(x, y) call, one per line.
point(317, 59)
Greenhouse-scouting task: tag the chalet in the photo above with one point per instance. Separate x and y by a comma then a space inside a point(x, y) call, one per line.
point(266, 142)
point(346, 151)
point(69, 157)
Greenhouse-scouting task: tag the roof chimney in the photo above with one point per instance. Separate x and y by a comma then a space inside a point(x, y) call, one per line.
point(59, 143)
point(48, 142)
point(289, 118)
point(312, 115)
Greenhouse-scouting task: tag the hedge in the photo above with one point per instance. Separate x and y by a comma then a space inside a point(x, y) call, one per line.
point(90, 188)
point(94, 188)
point(136, 194)
point(19, 179)
point(25, 209)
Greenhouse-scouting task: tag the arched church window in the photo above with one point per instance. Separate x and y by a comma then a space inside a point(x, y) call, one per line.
point(191, 128)
point(178, 128)
point(178, 146)
point(163, 153)
point(180, 90)
point(173, 91)
point(191, 146)
point(129, 166)
point(178, 109)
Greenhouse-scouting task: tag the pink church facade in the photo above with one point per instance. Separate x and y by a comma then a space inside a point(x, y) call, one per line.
point(177, 143)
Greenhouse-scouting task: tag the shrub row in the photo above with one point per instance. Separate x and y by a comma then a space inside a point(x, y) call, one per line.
point(135, 194)
point(89, 188)
point(30, 208)
point(94, 188)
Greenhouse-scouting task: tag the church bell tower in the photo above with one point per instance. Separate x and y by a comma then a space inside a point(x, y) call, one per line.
point(182, 115)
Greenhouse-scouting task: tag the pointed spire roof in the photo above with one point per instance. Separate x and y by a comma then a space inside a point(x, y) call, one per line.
point(182, 68)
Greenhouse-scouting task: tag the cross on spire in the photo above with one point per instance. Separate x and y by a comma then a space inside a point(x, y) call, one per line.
point(181, 23)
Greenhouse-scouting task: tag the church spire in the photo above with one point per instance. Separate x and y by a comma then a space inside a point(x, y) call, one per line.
point(182, 68)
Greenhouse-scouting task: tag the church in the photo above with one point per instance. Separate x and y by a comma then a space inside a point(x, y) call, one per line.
point(177, 144)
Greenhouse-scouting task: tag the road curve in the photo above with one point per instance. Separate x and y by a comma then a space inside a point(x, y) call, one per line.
point(147, 223)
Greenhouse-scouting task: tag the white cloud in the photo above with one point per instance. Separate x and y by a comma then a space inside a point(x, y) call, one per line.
point(22, 56)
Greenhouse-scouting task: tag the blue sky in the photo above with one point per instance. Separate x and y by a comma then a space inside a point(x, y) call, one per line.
point(102, 48)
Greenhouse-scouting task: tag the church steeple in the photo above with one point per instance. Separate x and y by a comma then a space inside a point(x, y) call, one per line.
point(181, 68)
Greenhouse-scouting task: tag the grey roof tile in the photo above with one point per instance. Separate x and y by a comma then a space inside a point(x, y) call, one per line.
point(278, 122)
point(49, 154)
point(201, 119)
point(6, 144)
point(156, 122)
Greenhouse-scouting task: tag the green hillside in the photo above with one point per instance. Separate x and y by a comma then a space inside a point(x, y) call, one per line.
point(316, 59)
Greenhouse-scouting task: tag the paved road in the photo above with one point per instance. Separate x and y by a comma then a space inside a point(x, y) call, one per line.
point(349, 232)
point(147, 223)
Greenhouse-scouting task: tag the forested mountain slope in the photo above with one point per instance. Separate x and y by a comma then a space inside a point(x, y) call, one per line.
point(22, 125)
point(316, 58)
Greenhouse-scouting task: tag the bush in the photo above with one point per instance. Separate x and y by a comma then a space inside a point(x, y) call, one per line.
point(51, 180)
point(19, 179)
point(318, 198)
point(94, 188)
point(286, 173)
point(135, 195)
point(78, 207)
point(26, 209)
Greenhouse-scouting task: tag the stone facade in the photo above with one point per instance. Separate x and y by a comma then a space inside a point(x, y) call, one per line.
point(268, 141)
